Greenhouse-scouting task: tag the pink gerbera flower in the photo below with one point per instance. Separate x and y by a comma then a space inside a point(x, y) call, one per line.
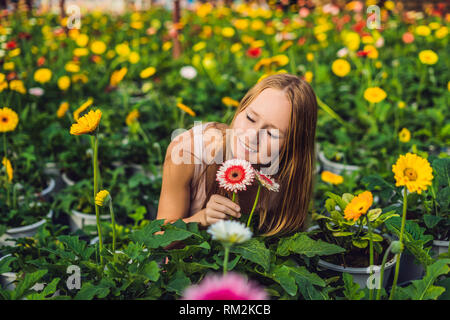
point(235, 175)
point(231, 286)
point(267, 181)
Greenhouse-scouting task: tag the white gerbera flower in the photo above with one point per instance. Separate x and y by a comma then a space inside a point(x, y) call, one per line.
point(229, 232)
point(342, 52)
point(37, 92)
point(188, 72)
point(267, 181)
point(235, 175)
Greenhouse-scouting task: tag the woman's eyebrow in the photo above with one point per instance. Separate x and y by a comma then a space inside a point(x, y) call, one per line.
point(270, 124)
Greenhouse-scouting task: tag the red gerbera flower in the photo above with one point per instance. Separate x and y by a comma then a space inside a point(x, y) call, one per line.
point(267, 181)
point(11, 45)
point(40, 61)
point(301, 41)
point(362, 53)
point(254, 52)
point(235, 175)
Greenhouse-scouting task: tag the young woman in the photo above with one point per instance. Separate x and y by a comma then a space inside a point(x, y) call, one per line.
point(275, 121)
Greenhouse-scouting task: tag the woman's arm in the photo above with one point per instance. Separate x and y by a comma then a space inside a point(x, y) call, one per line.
point(174, 201)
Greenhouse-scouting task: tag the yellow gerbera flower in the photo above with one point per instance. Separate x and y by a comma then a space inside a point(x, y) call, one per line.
point(72, 67)
point(340, 67)
point(404, 135)
point(83, 107)
point(147, 72)
point(64, 83)
point(281, 60)
point(87, 124)
point(186, 109)
point(428, 57)
point(123, 49)
point(262, 63)
point(101, 197)
point(423, 31)
point(17, 85)
point(98, 47)
point(412, 171)
point(228, 32)
point(374, 94)
point(63, 107)
point(82, 40)
point(308, 76)
point(358, 206)
point(9, 169)
point(8, 120)
point(132, 117)
point(332, 178)
point(229, 102)
point(42, 75)
point(117, 76)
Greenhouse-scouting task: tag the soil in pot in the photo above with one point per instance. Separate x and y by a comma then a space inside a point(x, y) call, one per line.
point(24, 215)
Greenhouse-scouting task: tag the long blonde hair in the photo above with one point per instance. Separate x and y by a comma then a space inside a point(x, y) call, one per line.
point(296, 162)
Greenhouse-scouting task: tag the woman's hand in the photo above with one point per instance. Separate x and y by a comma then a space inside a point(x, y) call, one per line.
point(219, 208)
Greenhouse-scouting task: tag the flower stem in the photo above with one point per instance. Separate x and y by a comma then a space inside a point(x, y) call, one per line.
point(8, 203)
point(254, 205)
point(370, 252)
point(225, 259)
point(382, 270)
point(97, 215)
point(233, 198)
point(113, 222)
point(397, 264)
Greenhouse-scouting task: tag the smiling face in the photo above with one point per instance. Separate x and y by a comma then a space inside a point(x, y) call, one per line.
point(260, 130)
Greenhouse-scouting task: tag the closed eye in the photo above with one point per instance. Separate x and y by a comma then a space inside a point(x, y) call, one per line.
point(250, 118)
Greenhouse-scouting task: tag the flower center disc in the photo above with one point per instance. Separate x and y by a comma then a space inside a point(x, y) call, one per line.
point(4, 119)
point(411, 174)
point(235, 174)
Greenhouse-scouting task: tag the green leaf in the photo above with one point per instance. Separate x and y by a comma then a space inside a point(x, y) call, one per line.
point(340, 202)
point(375, 237)
point(199, 266)
point(374, 214)
point(88, 290)
point(424, 289)
point(342, 233)
point(445, 283)
point(431, 221)
point(302, 275)
point(330, 204)
point(179, 283)
point(351, 289)
point(360, 243)
point(48, 290)
point(5, 262)
point(442, 168)
point(255, 251)
point(282, 275)
point(151, 271)
point(77, 246)
point(176, 231)
point(300, 243)
point(27, 283)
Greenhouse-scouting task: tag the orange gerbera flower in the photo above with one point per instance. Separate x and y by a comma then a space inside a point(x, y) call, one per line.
point(358, 206)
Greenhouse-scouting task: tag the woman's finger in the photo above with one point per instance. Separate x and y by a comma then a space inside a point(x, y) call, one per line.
point(222, 208)
point(227, 202)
